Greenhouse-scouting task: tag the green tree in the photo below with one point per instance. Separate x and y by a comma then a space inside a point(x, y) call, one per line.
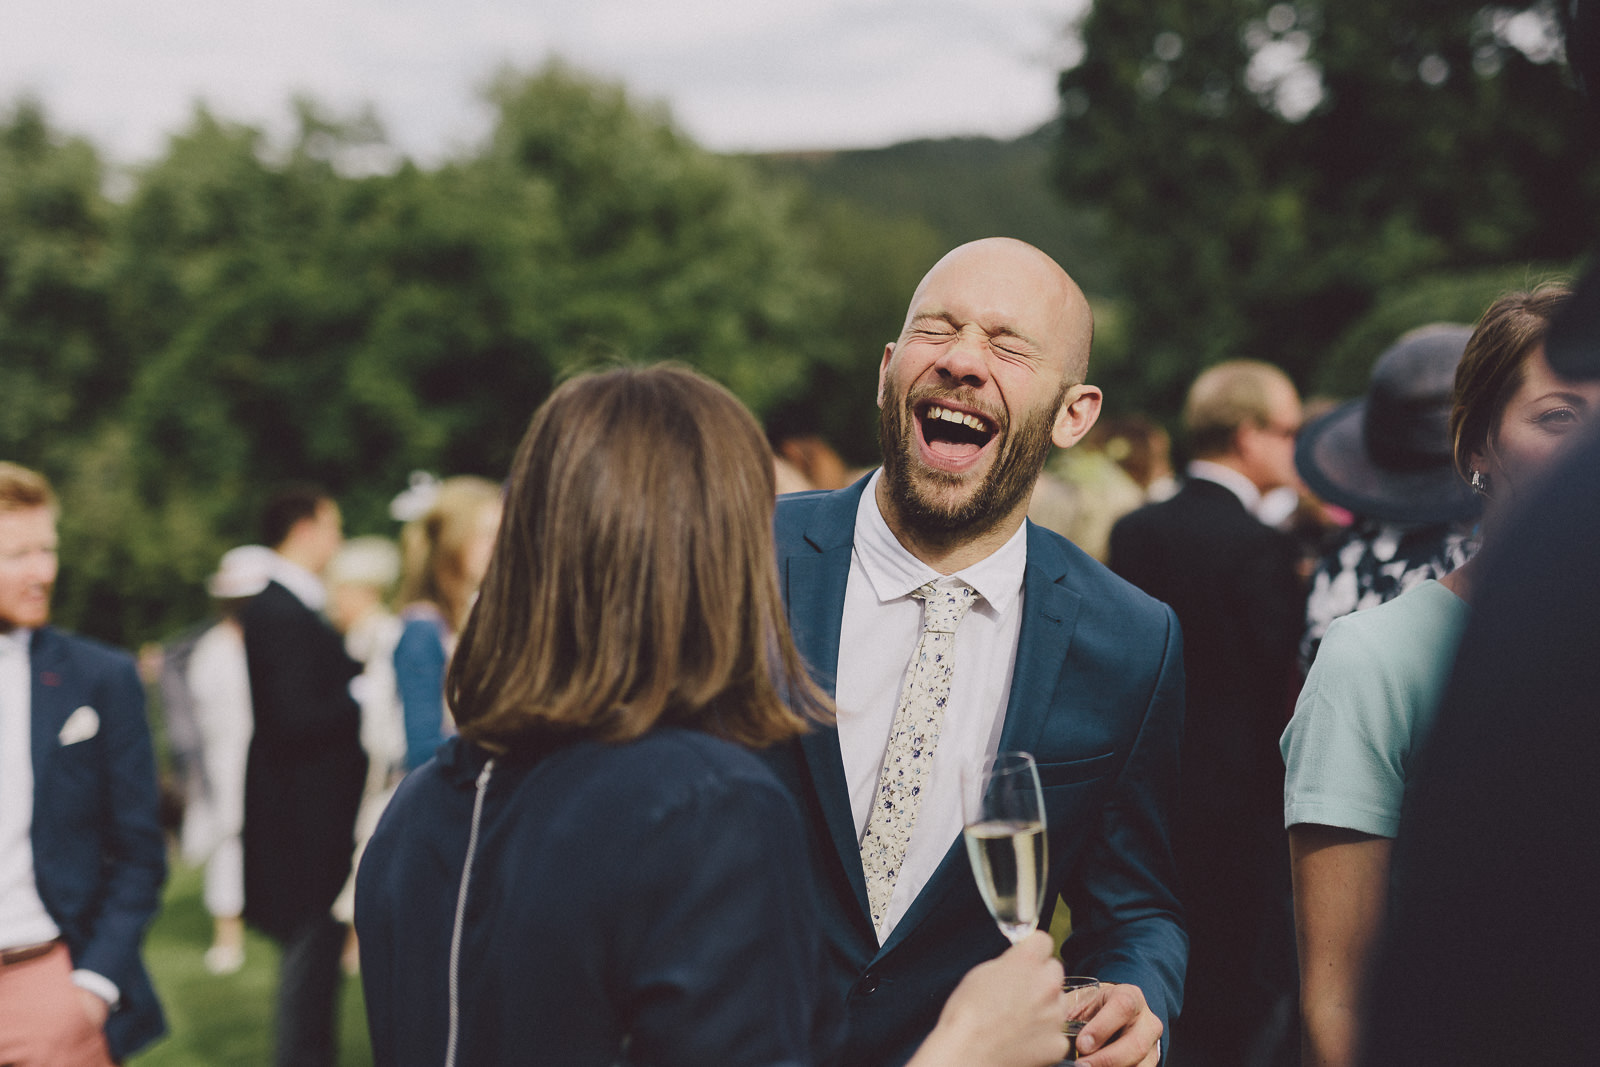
point(59, 369)
point(1269, 171)
point(288, 314)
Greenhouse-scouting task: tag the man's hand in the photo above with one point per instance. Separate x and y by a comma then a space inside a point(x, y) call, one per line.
point(1123, 1033)
point(95, 1008)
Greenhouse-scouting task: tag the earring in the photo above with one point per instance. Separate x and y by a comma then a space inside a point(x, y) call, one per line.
point(1480, 483)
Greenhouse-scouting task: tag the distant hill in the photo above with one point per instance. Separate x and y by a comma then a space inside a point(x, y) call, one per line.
point(963, 188)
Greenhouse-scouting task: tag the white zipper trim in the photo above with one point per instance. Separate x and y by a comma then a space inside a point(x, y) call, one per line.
point(461, 914)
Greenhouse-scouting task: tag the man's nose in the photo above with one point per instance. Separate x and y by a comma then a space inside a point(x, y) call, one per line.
point(966, 360)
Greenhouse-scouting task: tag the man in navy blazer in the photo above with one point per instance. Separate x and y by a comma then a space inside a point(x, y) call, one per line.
point(82, 859)
point(1058, 657)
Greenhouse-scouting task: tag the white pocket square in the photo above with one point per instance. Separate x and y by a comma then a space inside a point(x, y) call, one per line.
point(80, 726)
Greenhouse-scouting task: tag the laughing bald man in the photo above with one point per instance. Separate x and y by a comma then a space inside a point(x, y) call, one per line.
point(1052, 654)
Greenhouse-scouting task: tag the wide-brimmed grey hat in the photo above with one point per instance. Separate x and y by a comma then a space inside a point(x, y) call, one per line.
point(1387, 455)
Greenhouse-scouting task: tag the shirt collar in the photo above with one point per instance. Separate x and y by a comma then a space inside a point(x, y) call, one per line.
point(19, 639)
point(894, 572)
point(1229, 479)
point(306, 587)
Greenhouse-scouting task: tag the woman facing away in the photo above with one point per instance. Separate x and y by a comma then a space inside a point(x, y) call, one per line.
point(598, 871)
point(444, 554)
point(1371, 694)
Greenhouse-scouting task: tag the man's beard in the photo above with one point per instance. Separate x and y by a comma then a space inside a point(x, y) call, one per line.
point(922, 495)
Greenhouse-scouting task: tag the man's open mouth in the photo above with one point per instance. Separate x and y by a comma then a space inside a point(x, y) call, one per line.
point(954, 436)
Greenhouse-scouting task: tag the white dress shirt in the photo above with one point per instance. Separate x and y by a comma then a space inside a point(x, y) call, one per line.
point(307, 587)
point(882, 624)
point(23, 919)
point(1229, 479)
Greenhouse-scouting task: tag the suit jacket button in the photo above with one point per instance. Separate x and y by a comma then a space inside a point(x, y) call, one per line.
point(868, 984)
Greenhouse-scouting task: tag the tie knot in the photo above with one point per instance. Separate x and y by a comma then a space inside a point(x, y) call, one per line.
point(944, 606)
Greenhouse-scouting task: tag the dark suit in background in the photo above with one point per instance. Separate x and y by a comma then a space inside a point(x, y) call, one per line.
point(99, 858)
point(1096, 696)
point(303, 785)
point(1234, 586)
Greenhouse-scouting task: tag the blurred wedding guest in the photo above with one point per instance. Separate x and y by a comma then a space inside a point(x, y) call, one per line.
point(305, 772)
point(82, 857)
point(361, 580)
point(1233, 580)
point(1371, 697)
point(217, 679)
point(1140, 447)
point(598, 870)
point(1386, 458)
point(1084, 490)
point(801, 447)
point(445, 549)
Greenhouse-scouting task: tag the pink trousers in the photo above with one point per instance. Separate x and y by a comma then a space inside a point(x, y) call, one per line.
point(42, 1019)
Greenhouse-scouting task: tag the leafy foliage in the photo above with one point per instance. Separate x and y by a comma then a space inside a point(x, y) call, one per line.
point(251, 315)
point(1270, 172)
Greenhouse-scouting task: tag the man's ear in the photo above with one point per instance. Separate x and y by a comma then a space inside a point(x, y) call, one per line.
point(1076, 416)
point(883, 372)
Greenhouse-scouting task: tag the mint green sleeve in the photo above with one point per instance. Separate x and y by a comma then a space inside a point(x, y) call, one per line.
point(1345, 749)
point(1368, 702)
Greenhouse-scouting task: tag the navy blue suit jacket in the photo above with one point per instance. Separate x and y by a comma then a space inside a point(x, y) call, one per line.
point(1096, 696)
point(98, 854)
point(306, 767)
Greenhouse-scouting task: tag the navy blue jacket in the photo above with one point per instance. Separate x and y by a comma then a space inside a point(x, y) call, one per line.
point(306, 767)
point(98, 855)
point(653, 892)
point(1096, 696)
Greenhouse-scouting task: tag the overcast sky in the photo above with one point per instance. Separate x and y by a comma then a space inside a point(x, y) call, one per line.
point(737, 74)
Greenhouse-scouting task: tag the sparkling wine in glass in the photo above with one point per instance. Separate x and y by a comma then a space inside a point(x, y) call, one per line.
point(1003, 808)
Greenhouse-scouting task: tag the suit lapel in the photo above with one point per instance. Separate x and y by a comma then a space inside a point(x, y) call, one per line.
point(47, 699)
point(1050, 613)
point(815, 576)
point(1050, 616)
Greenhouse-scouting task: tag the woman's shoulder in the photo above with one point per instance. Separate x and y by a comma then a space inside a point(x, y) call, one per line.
point(1421, 619)
point(420, 616)
point(670, 768)
point(680, 754)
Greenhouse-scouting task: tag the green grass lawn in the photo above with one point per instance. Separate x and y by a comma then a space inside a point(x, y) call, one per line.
point(224, 1021)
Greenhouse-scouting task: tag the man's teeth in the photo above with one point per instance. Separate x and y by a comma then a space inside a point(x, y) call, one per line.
point(946, 415)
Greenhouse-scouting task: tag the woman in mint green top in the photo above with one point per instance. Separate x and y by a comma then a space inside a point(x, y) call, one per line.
point(1371, 695)
point(1369, 699)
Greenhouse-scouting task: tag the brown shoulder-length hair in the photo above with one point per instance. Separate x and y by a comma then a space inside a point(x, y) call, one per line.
point(1493, 366)
point(432, 546)
point(633, 581)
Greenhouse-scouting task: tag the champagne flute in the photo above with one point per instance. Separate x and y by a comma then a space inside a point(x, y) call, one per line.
point(1003, 808)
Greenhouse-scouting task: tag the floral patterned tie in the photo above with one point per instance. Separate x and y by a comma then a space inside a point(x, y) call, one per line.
point(913, 736)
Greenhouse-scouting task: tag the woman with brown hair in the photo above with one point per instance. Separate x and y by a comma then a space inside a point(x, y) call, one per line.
point(598, 871)
point(444, 553)
point(1371, 695)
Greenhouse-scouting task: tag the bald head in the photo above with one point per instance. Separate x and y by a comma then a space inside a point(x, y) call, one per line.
point(1013, 284)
